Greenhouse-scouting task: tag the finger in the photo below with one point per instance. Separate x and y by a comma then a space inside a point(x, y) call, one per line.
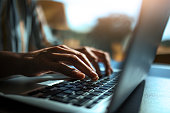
point(76, 62)
point(105, 58)
point(77, 53)
point(66, 70)
point(93, 59)
point(65, 49)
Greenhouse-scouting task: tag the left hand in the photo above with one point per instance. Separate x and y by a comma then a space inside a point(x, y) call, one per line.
point(95, 56)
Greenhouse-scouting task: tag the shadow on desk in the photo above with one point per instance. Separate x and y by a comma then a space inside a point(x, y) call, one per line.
point(132, 104)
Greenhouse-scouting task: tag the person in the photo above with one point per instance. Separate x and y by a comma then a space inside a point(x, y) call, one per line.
point(20, 28)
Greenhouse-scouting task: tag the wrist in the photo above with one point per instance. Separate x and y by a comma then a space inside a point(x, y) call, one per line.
point(26, 64)
point(11, 63)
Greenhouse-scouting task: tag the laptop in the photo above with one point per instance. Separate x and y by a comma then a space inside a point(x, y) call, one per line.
point(108, 93)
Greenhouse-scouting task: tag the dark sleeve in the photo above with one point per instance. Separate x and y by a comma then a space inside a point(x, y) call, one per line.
point(7, 26)
point(39, 37)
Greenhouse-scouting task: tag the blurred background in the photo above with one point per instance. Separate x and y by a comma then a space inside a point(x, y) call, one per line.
point(103, 24)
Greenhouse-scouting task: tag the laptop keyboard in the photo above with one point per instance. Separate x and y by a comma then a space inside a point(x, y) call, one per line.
point(79, 92)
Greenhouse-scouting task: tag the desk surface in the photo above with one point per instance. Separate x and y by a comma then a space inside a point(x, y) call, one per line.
point(156, 97)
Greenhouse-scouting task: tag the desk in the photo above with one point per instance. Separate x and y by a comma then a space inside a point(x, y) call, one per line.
point(156, 97)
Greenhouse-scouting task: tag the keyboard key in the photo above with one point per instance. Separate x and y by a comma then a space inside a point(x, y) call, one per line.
point(58, 85)
point(104, 81)
point(103, 96)
point(103, 88)
point(90, 96)
point(69, 92)
point(85, 83)
point(73, 101)
point(61, 95)
point(75, 89)
point(84, 88)
point(69, 86)
point(59, 99)
point(79, 92)
point(63, 88)
point(108, 93)
point(82, 102)
point(90, 82)
point(55, 89)
point(73, 96)
point(90, 87)
point(79, 86)
point(96, 93)
point(100, 90)
point(91, 105)
point(108, 79)
point(111, 83)
point(65, 83)
point(100, 84)
point(108, 85)
point(77, 83)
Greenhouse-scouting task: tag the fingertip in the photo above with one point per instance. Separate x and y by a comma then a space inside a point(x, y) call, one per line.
point(95, 78)
point(82, 76)
point(79, 75)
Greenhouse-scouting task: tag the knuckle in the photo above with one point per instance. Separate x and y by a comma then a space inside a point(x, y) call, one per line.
point(83, 55)
point(80, 54)
point(94, 59)
point(64, 46)
point(85, 49)
point(105, 54)
point(74, 57)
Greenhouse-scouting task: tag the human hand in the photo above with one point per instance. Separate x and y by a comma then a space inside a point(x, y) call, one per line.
point(58, 58)
point(95, 56)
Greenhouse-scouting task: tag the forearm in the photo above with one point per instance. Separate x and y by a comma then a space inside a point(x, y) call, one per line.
point(10, 64)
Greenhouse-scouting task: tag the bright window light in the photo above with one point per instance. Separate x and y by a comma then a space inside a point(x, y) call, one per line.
point(82, 15)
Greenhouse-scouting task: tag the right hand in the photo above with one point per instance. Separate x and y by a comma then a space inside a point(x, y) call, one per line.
point(57, 59)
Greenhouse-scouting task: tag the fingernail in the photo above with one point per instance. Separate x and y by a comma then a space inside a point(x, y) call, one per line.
point(95, 78)
point(79, 75)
